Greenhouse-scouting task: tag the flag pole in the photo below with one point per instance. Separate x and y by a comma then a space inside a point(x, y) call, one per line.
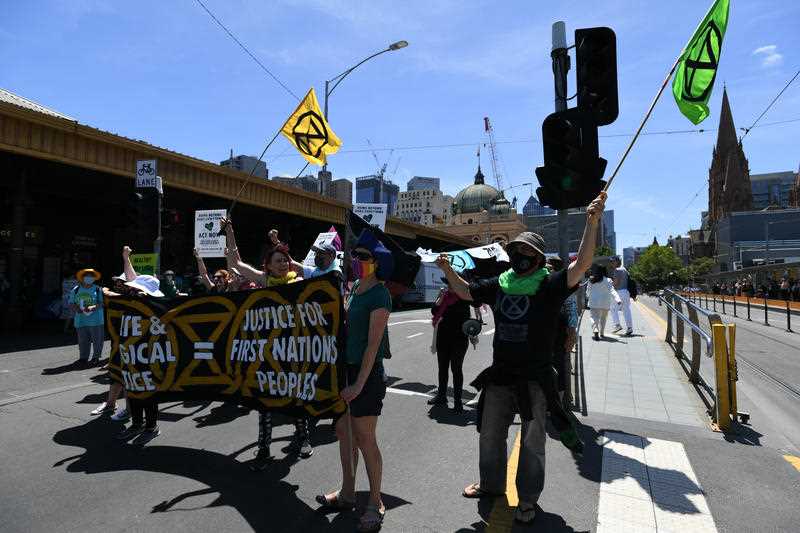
point(252, 170)
point(655, 100)
point(644, 121)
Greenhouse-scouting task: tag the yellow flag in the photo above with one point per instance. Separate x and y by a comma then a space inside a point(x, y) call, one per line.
point(309, 132)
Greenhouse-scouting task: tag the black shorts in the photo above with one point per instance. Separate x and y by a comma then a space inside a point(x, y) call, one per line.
point(370, 401)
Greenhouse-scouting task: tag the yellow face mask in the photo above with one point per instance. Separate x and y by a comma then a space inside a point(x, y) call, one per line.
point(367, 269)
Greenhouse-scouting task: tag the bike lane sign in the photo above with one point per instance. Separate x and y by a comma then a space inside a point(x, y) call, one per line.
point(147, 175)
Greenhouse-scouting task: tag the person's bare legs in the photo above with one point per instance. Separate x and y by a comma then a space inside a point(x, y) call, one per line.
point(348, 451)
point(364, 433)
point(114, 391)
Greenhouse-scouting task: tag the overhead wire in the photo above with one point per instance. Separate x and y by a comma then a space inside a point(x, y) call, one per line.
point(747, 130)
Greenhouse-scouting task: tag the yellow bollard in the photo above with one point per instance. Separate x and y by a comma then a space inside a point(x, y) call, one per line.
point(733, 371)
point(722, 381)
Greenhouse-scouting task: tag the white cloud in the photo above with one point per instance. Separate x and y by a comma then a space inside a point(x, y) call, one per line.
point(769, 54)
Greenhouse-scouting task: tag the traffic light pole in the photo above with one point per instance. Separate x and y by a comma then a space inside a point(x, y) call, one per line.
point(560, 59)
point(157, 243)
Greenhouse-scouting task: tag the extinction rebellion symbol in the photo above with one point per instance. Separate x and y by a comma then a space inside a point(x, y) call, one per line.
point(310, 133)
point(708, 43)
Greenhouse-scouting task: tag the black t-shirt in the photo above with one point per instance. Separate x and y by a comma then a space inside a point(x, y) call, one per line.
point(453, 319)
point(525, 326)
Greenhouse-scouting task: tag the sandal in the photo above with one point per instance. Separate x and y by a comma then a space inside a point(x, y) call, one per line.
point(337, 502)
point(475, 491)
point(371, 520)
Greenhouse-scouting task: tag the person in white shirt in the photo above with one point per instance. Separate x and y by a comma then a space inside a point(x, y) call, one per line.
point(600, 293)
point(620, 277)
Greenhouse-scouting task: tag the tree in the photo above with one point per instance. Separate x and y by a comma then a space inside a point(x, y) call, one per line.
point(658, 267)
point(701, 266)
point(603, 251)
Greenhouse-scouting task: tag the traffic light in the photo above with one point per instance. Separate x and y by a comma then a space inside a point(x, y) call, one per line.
point(596, 73)
point(572, 172)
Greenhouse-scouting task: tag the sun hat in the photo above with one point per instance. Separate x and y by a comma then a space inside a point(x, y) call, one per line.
point(534, 240)
point(147, 284)
point(383, 257)
point(86, 271)
point(325, 248)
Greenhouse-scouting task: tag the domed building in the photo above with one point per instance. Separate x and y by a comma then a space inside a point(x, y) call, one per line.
point(483, 214)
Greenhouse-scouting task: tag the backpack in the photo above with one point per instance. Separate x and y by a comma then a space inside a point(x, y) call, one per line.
point(633, 289)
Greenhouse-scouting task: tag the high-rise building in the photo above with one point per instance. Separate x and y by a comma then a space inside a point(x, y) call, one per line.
point(375, 190)
point(682, 245)
point(324, 177)
point(609, 235)
point(421, 183)
point(729, 187)
point(772, 190)
point(424, 206)
point(533, 208)
point(245, 163)
point(342, 190)
point(308, 183)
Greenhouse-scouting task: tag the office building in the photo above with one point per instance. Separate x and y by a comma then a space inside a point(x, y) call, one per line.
point(324, 177)
point(772, 190)
point(534, 209)
point(609, 235)
point(342, 190)
point(422, 183)
point(751, 238)
point(376, 190)
point(424, 206)
point(308, 183)
point(245, 163)
point(682, 246)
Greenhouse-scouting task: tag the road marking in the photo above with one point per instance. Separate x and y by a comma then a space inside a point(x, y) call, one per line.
point(649, 485)
point(418, 321)
point(407, 392)
point(794, 461)
point(501, 518)
point(414, 335)
point(488, 332)
point(659, 322)
point(48, 392)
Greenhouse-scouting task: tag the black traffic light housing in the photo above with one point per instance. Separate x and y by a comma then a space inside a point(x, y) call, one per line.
point(572, 172)
point(596, 73)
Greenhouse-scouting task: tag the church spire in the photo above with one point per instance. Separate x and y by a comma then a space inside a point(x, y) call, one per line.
point(479, 176)
point(726, 135)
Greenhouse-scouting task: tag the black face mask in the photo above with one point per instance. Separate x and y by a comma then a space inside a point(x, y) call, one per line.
point(522, 263)
point(319, 261)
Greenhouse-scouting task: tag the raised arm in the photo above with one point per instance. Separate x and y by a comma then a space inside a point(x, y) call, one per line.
point(130, 273)
point(594, 214)
point(457, 283)
point(244, 269)
point(201, 268)
point(230, 240)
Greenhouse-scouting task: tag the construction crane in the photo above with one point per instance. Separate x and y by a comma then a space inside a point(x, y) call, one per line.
point(487, 126)
point(381, 168)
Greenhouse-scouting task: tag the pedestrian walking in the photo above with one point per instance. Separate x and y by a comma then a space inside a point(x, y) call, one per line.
point(526, 304)
point(86, 301)
point(621, 280)
point(601, 295)
point(368, 308)
point(68, 283)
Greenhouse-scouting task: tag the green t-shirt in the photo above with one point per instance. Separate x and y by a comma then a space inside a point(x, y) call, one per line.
point(359, 308)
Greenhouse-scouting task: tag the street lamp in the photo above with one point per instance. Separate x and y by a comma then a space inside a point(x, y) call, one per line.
point(336, 80)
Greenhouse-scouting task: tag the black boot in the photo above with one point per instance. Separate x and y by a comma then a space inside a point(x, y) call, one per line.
point(457, 405)
point(263, 457)
point(302, 438)
point(439, 399)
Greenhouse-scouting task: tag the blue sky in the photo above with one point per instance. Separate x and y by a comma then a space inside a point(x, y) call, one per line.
point(162, 71)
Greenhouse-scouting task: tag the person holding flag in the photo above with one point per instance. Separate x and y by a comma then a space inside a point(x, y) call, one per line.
point(526, 301)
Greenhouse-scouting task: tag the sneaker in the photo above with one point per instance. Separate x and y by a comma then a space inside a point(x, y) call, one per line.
point(438, 400)
point(457, 407)
point(305, 449)
point(596, 336)
point(102, 409)
point(525, 513)
point(616, 328)
point(130, 432)
point(122, 415)
point(629, 333)
point(263, 460)
point(147, 435)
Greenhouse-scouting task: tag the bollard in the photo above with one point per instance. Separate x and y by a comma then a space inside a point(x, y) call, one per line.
point(714, 299)
point(734, 307)
point(748, 308)
point(706, 301)
point(788, 318)
point(766, 308)
point(723, 305)
point(722, 411)
point(733, 372)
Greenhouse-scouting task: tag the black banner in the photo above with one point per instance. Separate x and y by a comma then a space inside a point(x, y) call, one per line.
point(269, 349)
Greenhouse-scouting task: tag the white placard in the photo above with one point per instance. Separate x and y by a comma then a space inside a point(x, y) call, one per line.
point(147, 175)
point(374, 214)
point(488, 251)
point(206, 227)
point(323, 238)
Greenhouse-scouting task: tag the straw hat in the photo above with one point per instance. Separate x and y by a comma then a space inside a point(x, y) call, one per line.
point(86, 271)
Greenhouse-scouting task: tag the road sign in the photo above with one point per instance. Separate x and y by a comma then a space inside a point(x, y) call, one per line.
point(147, 175)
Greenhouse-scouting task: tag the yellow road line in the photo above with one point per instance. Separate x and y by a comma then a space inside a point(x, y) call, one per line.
point(659, 322)
point(794, 461)
point(501, 519)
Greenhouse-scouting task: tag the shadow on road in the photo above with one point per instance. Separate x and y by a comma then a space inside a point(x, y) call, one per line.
point(264, 499)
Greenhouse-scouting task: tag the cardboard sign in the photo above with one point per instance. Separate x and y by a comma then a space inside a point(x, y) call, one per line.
point(144, 263)
point(373, 214)
point(323, 238)
point(206, 227)
point(277, 349)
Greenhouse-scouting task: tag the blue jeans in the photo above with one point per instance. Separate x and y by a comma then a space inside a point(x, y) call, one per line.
point(90, 336)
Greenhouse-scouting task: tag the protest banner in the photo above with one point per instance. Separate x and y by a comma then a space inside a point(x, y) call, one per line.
point(144, 263)
point(206, 233)
point(373, 214)
point(274, 349)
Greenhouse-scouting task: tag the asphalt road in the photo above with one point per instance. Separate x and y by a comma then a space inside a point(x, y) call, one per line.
point(61, 469)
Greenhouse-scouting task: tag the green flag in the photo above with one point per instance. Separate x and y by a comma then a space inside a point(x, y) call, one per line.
point(697, 67)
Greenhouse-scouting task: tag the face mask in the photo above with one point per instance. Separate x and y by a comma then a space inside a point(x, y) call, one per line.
point(521, 263)
point(364, 270)
point(319, 261)
point(88, 280)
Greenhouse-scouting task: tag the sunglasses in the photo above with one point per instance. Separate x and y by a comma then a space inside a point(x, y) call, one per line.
point(219, 278)
point(363, 256)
